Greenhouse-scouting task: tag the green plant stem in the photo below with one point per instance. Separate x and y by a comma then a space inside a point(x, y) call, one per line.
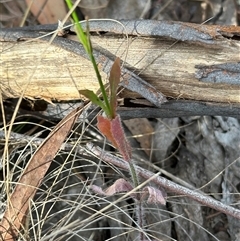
point(133, 174)
point(88, 48)
point(139, 206)
point(110, 113)
point(79, 30)
point(140, 218)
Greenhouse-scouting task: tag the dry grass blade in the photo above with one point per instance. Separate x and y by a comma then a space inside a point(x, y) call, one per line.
point(30, 180)
point(168, 185)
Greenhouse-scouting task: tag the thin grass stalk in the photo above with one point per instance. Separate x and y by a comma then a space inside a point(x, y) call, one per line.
point(85, 41)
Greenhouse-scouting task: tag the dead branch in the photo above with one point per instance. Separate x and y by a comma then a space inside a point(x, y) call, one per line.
point(181, 60)
point(165, 183)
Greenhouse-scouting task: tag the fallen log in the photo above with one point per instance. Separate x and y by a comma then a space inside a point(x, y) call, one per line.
point(183, 61)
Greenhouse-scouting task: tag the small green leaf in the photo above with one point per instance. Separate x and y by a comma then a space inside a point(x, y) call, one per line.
point(94, 98)
point(114, 80)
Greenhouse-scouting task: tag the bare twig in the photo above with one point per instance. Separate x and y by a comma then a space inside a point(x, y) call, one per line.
point(168, 185)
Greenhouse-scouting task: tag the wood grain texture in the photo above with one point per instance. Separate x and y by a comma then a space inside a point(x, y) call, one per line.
point(49, 72)
point(172, 70)
point(44, 71)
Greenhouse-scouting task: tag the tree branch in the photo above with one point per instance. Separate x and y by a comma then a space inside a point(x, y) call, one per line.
point(165, 183)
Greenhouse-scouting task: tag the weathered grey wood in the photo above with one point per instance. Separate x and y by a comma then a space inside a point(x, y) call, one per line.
point(179, 108)
point(50, 72)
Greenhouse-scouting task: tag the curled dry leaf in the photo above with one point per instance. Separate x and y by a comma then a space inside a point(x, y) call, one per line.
point(155, 195)
point(98, 190)
point(120, 185)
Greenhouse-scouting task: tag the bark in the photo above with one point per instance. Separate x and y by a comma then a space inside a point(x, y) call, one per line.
point(181, 60)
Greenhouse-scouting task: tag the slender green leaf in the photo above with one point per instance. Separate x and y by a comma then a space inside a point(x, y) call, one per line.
point(94, 98)
point(84, 38)
point(79, 30)
point(88, 38)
